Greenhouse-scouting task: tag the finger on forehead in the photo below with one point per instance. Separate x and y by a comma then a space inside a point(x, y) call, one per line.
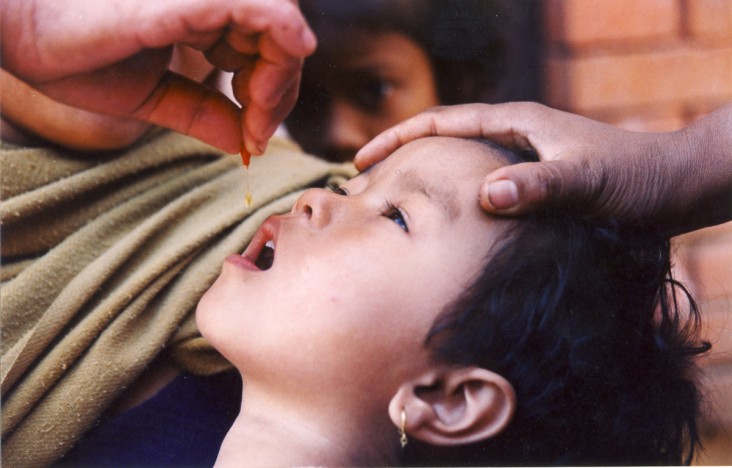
point(466, 121)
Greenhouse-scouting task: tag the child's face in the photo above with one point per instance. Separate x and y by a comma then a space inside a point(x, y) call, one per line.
point(358, 277)
point(357, 84)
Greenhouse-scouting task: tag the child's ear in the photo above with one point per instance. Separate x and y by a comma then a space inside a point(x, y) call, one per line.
point(454, 406)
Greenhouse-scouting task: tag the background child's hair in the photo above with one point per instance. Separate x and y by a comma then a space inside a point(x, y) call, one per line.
point(597, 339)
point(480, 50)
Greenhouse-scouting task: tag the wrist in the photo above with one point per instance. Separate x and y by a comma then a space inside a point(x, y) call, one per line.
point(701, 159)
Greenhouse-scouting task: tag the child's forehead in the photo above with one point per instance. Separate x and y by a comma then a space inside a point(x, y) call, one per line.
point(440, 161)
point(447, 171)
point(444, 154)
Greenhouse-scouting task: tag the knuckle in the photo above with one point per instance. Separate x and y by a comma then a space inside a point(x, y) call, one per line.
point(552, 181)
point(596, 191)
point(549, 180)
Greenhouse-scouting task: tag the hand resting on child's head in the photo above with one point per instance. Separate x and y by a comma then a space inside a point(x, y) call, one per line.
point(671, 182)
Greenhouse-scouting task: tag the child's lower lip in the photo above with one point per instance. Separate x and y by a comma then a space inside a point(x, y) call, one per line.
point(241, 262)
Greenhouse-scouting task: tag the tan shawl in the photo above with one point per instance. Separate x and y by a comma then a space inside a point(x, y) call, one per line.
point(104, 260)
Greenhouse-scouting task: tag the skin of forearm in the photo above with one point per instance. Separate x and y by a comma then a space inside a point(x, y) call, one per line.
point(703, 182)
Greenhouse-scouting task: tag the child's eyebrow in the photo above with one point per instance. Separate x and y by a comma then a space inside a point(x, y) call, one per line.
point(443, 196)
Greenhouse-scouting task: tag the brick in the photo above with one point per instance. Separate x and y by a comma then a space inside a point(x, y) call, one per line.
point(705, 261)
point(586, 22)
point(717, 330)
point(681, 74)
point(709, 19)
point(718, 393)
point(643, 122)
point(662, 117)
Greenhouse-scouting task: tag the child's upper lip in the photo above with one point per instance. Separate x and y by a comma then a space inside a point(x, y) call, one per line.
point(267, 232)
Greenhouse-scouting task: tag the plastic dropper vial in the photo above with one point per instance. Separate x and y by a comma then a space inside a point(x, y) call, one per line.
point(245, 157)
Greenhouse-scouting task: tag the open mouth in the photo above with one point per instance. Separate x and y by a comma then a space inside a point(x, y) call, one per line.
point(261, 249)
point(266, 256)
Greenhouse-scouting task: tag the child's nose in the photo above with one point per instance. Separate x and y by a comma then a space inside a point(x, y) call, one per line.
point(317, 205)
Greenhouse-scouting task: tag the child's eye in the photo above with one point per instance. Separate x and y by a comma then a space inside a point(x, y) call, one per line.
point(337, 189)
point(395, 214)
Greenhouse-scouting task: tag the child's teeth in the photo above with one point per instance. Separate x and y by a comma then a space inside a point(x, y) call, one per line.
point(269, 244)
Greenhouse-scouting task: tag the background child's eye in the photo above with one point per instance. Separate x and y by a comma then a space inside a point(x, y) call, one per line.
point(371, 92)
point(395, 214)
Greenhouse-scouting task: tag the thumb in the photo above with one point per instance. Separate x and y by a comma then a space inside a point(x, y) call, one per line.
point(527, 187)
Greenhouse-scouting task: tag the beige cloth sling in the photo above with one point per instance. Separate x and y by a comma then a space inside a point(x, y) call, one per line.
point(104, 260)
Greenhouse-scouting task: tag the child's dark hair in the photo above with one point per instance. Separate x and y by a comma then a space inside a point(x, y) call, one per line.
point(587, 324)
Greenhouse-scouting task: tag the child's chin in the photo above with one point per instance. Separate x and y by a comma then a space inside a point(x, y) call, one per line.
point(205, 312)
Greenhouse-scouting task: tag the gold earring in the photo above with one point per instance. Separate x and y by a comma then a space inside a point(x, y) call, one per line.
point(402, 429)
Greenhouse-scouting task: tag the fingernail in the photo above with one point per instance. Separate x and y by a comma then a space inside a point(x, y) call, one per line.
point(502, 194)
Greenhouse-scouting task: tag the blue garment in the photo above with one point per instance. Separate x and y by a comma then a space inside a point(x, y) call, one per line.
point(182, 426)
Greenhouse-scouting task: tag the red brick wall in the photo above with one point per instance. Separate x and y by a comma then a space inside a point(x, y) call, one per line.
point(657, 65)
point(641, 64)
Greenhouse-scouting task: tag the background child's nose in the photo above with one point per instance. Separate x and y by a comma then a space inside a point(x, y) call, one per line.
point(346, 131)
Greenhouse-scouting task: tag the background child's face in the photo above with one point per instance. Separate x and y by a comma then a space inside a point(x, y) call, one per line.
point(358, 277)
point(357, 84)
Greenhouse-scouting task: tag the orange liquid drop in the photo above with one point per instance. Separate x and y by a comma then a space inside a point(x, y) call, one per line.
point(245, 158)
